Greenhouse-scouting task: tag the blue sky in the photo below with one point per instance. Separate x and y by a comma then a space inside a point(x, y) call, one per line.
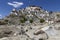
point(6, 6)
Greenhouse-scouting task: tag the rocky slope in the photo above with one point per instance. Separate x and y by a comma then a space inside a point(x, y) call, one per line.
point(28, 15)
point(30, 23)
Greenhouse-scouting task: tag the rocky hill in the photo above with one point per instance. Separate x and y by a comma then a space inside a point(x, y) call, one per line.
point(30, 23)
point(31, 14)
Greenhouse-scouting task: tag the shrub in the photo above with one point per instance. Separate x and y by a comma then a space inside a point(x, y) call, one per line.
point(42, 20)
point(22, 21)
point(6, 20)
point(31, 20)
point(58, 15)
point(25, 19)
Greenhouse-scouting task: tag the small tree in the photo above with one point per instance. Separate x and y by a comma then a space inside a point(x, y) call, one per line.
point(42, 20)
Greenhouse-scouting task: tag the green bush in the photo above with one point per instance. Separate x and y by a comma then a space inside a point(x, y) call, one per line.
point(23, 20)
point(6, 20)
point(31, 20)
point(58, 15)
point(42, 20)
